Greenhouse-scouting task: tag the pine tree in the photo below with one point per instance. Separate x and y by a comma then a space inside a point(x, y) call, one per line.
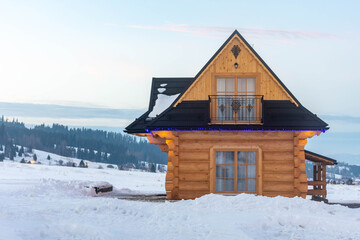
point(152, 169)
point(98, 156)
point(3, 134)
point(81, 164)
point(21, 151)
point(35, 157)
point(48, 157)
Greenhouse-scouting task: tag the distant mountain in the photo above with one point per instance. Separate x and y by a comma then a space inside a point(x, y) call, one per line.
point(341, 141)
point(340, 172)
point(58, 111)
point(352, 159)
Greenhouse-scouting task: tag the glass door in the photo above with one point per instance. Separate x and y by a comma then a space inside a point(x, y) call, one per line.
point(246, 92)
point(236, 171)
point(225, 94)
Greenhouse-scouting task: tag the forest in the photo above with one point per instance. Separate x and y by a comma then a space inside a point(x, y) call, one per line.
point(82, 143)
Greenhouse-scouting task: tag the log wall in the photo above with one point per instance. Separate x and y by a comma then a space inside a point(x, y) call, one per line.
point(191, 166)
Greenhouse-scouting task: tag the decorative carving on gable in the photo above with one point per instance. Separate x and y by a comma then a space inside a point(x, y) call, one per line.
point(236, 50)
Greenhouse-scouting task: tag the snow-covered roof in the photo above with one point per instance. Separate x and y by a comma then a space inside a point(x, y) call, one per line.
point(162, 103)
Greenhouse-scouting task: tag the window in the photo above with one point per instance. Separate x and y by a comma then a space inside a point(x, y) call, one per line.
point(246, 90)
point(246, 171)
point(225, 93)
point(236, 171)
point(225, 171)
point(235, 99)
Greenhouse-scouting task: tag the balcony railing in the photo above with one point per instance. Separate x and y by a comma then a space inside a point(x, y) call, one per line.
point(236, 109)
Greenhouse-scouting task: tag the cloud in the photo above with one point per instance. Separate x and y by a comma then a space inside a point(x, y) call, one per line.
point(211, 31)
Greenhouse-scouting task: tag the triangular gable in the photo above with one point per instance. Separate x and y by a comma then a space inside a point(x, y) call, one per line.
point(202, 86)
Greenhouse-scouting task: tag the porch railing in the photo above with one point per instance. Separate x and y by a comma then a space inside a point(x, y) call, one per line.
point(236, 109)
point(318, 183)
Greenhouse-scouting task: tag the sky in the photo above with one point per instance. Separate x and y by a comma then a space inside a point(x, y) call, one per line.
point(104, 53)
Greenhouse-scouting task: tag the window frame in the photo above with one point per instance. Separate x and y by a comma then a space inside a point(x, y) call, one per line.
point(256, 76)
point(214, 92)
point(213, 177)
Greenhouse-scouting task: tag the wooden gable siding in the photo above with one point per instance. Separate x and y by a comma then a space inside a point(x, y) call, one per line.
point(223, 65)
point(191, 168)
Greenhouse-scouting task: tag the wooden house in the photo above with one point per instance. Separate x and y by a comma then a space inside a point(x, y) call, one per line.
point(233, 128)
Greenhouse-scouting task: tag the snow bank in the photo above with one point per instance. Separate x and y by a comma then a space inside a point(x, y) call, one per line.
point(32, 174)
point(49, 202)
point(71, 188)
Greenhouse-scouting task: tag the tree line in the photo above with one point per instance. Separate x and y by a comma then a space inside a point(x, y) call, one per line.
point(82, 143)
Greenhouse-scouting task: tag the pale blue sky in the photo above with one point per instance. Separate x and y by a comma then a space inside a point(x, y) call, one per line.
point(104, 53)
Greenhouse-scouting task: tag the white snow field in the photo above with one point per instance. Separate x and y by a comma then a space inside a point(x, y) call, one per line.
point(51, 202)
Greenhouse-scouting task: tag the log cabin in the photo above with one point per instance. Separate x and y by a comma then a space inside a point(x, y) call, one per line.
point(233, 128)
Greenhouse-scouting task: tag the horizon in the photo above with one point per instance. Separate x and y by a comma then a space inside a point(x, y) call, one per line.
point(342, 137)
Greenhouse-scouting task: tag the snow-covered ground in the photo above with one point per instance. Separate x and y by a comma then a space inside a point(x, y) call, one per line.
point(343, 193)
point(51, 202)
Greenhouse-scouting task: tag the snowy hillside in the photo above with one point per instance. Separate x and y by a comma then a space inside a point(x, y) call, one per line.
point(52, 202)
point(42, 158)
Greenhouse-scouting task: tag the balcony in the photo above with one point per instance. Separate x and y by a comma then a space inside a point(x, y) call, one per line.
point(236, 109)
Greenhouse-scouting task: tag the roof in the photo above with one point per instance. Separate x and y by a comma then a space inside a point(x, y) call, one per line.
point(191, 115)
point(278, 115)
point(314, 157)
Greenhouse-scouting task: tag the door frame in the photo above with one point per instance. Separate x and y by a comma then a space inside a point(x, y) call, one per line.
point(249, 148)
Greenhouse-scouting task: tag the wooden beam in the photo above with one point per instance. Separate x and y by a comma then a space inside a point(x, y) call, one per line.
point(316, 192)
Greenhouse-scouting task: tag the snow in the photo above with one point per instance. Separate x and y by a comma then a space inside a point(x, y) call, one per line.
point(340, 193)
point(52, 202)
point(36, 173)
point(162, 103)
point(163, 85)
point(161, 90)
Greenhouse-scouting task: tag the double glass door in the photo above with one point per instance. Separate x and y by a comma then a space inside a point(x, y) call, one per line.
point(235, 99)
point(236, 171)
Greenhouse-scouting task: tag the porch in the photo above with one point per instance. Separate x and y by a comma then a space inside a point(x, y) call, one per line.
point(318, 184)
